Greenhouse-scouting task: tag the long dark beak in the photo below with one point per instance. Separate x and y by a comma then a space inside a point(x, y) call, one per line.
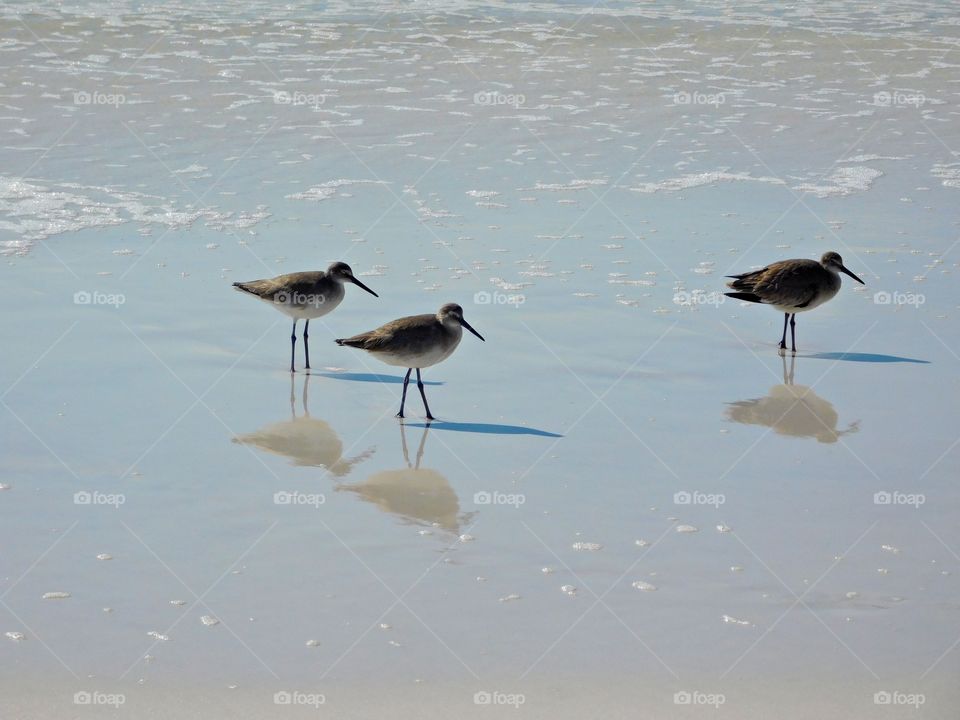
point(844, 270)
point(360, 284)
point(467, 326)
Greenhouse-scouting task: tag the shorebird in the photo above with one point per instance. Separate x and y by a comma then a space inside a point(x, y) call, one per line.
point(792, 286)
point(415, 342)
point(304, 296)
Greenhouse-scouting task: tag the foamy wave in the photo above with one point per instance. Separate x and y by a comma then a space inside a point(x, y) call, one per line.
point(36, 212)
point(693, 180)
point(329, 189)
point(842, 182)
point(572, 185)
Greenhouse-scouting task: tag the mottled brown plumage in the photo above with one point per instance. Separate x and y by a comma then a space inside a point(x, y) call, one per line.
point(294, 283)
point(416, 336)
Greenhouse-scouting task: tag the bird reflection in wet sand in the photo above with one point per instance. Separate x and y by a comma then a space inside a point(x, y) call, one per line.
point(307, 441)
point(417, 495)
point(791, 409)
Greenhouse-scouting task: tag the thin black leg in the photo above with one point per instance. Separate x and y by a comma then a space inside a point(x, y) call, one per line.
point(423, 395)
point(293, 345)
point(793, 331)
point(403, 397)
point(783, 340)
point(306, 345)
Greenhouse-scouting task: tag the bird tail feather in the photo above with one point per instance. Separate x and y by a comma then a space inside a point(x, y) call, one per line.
point(749, 297)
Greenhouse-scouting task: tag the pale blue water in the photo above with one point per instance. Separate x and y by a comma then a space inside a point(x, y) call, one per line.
point(606, 167)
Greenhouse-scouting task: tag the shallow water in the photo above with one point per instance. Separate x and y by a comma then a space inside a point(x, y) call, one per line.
point(628, 495)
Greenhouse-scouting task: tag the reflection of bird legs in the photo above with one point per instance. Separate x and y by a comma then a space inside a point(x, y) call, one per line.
point(306, 385)
point(423, 442)
point(304, 399)
point(788, 376)
point(293, 407)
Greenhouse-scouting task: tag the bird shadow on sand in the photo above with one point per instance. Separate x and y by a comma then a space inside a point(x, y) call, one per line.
point(864, 357)
point(483, 428)
point(370, 377)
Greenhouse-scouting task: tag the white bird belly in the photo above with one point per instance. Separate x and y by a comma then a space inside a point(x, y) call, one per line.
point(304, 306)
point(417, 359)
point(819, 299)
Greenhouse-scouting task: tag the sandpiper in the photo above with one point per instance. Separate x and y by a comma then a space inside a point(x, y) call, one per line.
point(303, 296)
point(792, 286)
point(415, 342)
